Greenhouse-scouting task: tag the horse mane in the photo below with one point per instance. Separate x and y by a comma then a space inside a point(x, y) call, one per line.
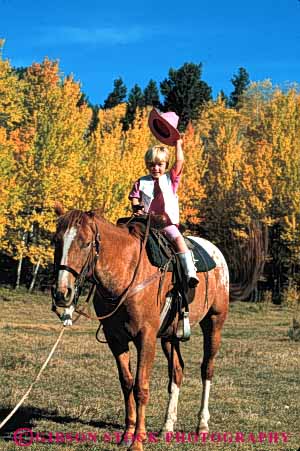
point(78, 217)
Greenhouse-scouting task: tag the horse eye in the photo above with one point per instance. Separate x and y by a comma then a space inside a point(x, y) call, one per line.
point(85, 245)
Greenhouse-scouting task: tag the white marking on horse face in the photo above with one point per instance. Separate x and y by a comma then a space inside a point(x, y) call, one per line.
point(171, 416)
point(68, 239)
point(217, 256)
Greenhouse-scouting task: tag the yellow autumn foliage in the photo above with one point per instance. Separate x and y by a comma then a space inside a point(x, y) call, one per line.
point(48, 150)
point(191, 189)
point(239, 165)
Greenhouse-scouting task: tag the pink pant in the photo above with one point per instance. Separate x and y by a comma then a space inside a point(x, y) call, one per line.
point(171, 232)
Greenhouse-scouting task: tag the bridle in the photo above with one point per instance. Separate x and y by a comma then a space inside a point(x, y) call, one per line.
point(89, 266)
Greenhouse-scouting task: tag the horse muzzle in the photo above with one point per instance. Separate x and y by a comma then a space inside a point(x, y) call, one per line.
point(62, 299)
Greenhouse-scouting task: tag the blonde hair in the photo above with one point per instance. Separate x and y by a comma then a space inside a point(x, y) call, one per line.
point(157, 154)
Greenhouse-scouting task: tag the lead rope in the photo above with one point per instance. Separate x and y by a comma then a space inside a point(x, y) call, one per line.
point(35, 381)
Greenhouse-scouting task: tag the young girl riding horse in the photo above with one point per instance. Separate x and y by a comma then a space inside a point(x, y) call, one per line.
point(155, 193)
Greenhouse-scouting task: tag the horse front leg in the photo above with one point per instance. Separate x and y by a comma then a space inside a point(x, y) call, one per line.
point(211, 327)
point(127, 382)
point(175, 367)
point(120, 350)
point(145, 344)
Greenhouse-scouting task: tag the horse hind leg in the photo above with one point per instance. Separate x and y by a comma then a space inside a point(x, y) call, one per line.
point(175, 367)
point(211, 327)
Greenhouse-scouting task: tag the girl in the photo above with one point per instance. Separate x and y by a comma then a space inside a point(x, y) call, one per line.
point(156, 193)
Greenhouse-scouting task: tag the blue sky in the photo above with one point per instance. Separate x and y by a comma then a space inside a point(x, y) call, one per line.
point(99, 41)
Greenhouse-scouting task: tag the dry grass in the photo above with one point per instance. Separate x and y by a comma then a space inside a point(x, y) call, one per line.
point(255, 389)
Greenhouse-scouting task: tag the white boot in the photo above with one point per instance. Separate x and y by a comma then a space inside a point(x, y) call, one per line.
point(188, 267)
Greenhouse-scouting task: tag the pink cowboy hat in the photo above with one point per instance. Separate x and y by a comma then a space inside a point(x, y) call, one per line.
point(164, 126)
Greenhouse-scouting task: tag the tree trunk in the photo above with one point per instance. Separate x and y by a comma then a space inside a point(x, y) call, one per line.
point(19, 270)
point(35, 272)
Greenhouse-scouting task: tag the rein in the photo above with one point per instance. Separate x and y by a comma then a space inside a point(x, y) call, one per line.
point(81, 277)
point(129, 290)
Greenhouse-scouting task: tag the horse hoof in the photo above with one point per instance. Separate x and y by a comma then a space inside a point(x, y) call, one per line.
point(123, 444)
point(202, 429)
point(127, 439)
point(136, 446)
point(203, 426)
point(166, 430)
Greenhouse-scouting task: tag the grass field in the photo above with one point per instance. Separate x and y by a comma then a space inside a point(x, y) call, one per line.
point(255, 392)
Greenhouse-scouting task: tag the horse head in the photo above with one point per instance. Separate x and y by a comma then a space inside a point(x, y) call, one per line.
point(77, 244)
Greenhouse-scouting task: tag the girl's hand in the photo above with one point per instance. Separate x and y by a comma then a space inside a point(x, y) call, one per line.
point(179, 155)
point(138, 210)
point(180, 141)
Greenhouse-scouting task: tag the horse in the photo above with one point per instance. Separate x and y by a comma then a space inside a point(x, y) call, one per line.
point(88, 246)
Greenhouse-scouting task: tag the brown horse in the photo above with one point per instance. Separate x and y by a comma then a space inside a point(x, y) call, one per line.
point(86, 245)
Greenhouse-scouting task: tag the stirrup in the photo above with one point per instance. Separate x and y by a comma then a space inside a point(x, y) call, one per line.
point(193, 281)
point(183, 332)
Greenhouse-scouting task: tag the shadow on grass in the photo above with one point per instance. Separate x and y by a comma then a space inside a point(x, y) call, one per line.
point(27, 417)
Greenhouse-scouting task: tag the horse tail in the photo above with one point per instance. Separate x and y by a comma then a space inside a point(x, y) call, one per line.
point(246, 261)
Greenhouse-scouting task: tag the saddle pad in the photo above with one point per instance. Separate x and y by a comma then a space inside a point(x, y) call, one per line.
point(203, 261)
point(158, 256)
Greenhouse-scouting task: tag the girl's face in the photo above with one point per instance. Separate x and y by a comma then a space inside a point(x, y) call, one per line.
point(157, 168)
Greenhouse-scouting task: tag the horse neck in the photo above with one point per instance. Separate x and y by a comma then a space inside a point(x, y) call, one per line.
point(119, 252)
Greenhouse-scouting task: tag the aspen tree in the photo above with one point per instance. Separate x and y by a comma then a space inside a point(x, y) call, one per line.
point(12, 116)
point(191, 189)
point(49, 168)
point(102, 171)
point(275, 122)
point(222, 205)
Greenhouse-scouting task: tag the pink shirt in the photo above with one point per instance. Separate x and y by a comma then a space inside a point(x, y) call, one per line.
point(157, 205)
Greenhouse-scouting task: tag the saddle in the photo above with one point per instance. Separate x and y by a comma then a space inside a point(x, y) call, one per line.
point(160, 250)
point(162, 254)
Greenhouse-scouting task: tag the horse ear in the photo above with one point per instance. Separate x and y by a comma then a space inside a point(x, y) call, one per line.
point(58, 208)
point(99, 211)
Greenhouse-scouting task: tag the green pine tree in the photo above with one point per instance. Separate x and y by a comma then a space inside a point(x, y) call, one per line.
point(135, 100)
point(240, 82)
point(185, 93)
point(117, 96)
point(223, 97)
point(151, 94)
